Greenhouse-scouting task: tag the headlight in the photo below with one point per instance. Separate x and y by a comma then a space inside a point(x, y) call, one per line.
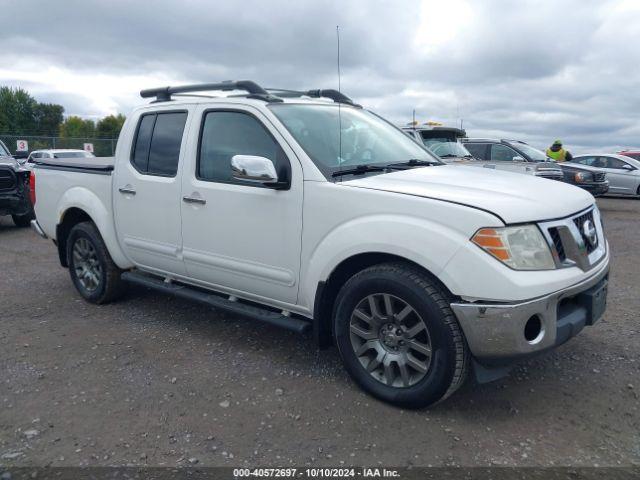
point(521, 248)
point(581, 177)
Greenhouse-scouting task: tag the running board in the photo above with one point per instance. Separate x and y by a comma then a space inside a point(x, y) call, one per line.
point(216, 301)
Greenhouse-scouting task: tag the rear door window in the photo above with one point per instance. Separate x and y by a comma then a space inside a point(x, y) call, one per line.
point(156, 149)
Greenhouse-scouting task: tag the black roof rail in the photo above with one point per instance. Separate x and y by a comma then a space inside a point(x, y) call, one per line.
point(334, 95)
point(163, 94)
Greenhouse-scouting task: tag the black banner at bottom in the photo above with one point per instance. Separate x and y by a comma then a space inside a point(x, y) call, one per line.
point(391, 473)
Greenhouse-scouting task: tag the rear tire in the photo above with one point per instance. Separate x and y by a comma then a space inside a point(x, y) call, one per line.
point(398, 337)
point(92, 270)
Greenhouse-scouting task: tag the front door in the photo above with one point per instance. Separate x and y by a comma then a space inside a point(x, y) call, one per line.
point(241, 237)
point(503, 157)
point(622, 181)
point(147, 188)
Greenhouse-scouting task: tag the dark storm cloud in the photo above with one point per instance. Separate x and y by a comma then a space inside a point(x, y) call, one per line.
point(534, 70)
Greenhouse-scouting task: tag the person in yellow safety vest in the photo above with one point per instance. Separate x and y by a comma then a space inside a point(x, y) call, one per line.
point(558, 153)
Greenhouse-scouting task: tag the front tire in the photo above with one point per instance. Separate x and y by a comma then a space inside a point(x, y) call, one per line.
point(398, 338)
point(23, 221)
point(92, 270)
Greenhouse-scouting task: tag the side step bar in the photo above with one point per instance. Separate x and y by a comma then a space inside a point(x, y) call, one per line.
point(216, 301)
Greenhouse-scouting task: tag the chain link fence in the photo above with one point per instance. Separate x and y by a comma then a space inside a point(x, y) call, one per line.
point(102, 147)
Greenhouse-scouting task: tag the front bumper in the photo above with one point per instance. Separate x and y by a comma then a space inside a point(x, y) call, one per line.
point(496, 333)
point(35, 226)
point(13, 204)
point(596, 189)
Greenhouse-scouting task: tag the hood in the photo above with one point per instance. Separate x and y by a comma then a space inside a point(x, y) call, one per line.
point(514, 197)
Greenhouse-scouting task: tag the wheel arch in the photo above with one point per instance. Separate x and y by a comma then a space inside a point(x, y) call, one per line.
point(70, 218)
point(80, 205)
point(327, 290)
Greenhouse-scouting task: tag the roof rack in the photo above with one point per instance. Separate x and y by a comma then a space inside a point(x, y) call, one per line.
point(163, 94)
point(332, 94)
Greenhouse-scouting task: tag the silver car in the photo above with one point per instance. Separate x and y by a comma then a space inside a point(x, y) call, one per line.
point(622, 172)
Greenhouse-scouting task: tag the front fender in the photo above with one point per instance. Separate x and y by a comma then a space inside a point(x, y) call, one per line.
point(87, 201)
point(424, 242)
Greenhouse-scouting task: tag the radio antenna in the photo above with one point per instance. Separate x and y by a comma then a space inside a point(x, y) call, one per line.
point(339, 106)
point(338, 38)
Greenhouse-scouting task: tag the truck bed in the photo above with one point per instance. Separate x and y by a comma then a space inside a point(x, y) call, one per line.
point(90, 165)
point(73, 182)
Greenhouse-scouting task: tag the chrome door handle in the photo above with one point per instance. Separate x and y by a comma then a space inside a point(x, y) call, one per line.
point(127, 191)
point(198, 200)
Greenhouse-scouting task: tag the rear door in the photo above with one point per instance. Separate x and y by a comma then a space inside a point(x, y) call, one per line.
point(241, 237)
point(147, 190)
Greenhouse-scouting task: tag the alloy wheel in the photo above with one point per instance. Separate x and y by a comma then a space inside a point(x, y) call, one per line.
point(390, 340)
point(86, 264)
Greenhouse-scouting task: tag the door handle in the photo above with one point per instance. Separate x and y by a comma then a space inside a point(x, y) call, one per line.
point(127, 190)
point(198, 200)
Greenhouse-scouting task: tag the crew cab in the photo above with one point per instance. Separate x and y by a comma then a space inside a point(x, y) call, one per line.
point(515, 155)
point(14, 189)
point(451, 143)
point(306, 211)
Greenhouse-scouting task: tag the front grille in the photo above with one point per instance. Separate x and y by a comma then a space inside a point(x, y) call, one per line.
point(557, 243)
point(569, 240)
point(599, 176)
point(579, 223)
point(7, 180)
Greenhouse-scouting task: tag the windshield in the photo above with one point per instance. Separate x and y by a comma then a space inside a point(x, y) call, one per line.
point(4, 151)
point(449, 149)
point(337, 137)
point(533, 153)
point(72, 155)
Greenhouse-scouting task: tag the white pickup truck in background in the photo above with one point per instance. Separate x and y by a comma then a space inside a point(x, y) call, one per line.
point(260, 205)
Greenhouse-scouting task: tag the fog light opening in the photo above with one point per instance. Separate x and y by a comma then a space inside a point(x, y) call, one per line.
point(533, 330)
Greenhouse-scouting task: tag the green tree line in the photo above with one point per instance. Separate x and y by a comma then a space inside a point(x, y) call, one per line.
point(21, 114)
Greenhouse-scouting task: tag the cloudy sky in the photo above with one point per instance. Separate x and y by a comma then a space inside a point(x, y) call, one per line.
point(529, 69)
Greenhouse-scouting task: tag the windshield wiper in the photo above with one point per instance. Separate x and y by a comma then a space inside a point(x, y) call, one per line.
point(359, 170)
point(414, 162)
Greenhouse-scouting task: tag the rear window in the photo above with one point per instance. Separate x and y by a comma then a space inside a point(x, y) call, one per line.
point(156, 149)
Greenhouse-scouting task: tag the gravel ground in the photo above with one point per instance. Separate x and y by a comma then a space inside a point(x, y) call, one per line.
point(153, 380)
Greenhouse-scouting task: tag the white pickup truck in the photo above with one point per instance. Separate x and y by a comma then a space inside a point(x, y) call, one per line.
point(306, 211)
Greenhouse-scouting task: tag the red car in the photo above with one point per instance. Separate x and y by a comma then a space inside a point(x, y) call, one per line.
point(635, 154)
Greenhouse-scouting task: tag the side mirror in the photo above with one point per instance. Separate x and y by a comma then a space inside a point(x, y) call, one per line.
point(518, 158)
point(20, 155)
point(254, 169)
